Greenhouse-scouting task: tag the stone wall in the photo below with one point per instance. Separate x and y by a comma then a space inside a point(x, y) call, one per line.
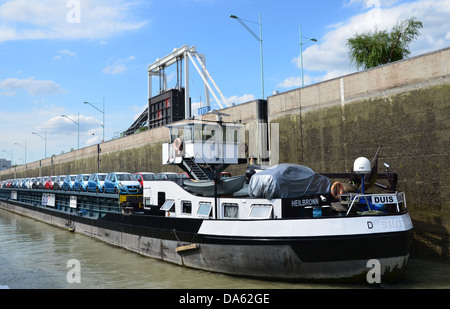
point(405, 107)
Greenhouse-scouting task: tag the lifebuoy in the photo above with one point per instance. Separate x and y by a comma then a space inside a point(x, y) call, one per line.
point(178, 144)
point(337, 189)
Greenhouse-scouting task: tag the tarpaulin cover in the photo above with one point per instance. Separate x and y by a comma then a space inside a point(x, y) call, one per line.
point(287, 181)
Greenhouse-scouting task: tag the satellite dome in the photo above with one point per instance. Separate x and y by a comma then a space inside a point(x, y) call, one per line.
point(362, 166)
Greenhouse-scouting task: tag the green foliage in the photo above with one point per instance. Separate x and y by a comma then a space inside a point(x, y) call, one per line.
point(372, 49)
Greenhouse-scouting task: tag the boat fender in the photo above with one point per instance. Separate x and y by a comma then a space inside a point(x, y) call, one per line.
point(180, 249)
point(249, 172)
point(337, 189)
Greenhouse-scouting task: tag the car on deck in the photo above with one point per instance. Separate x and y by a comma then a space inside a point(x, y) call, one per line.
point(58, 183)
point(121, 183)
point(50, 183)
point(96, 182)
point(68, 182)
point(81, 182)
point(144, 176)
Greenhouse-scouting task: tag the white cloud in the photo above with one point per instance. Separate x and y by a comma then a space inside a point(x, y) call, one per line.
point(31, 85)
point(95, 139)
point(370, 3)
point(54, 19)
point(241, 99)
point(114, 69)
point(63, 126)
point(329, 57)
point(64, 52)
point(291, 82)
point(62, 134)
point(118, 66)
point(7, 93)
point(295, 82)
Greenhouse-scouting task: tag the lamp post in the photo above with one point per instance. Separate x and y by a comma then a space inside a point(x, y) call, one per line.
point(25, 148)
point(103, 112)
point(260, 40)
point(45, 140)
point(77, 123)
point(301, 50)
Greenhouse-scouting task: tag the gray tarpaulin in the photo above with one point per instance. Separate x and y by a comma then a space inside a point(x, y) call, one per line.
point(287, 181)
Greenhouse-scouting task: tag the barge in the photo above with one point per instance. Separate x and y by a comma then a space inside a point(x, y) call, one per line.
point(284, 222)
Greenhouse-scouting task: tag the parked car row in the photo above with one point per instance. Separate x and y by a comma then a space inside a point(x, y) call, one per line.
point(116, 182)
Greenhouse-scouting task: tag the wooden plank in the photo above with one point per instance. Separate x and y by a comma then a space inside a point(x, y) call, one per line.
point(187, 247)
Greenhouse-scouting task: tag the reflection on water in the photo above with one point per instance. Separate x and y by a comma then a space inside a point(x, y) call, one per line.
point(34, 255)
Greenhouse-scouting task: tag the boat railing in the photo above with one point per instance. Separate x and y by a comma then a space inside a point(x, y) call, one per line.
point(80, 203)
point(390, 202)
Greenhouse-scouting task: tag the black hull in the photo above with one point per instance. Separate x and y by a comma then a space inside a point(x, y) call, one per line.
point(342, 258)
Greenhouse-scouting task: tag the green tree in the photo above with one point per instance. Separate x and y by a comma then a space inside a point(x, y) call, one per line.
point(372, 49)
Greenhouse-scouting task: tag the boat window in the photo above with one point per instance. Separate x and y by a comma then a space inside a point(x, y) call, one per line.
point(204, 209)
point(147, 201)
point(261, 212)
point(161, 198)
point(209, 135)
point(168, 206)
point(231, 135)
point(186, 207)
point(188, 134)
point(230, 210)
point(198, 133)
point(175, 133)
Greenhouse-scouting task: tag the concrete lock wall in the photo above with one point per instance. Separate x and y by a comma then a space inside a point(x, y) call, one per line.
point(403, 106)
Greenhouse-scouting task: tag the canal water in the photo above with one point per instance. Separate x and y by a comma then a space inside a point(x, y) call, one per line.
point(35, 255)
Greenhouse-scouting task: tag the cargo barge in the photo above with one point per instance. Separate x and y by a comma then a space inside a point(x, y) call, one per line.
point(284, 222)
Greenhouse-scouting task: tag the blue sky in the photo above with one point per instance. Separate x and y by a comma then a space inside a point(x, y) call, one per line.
point(56, 54)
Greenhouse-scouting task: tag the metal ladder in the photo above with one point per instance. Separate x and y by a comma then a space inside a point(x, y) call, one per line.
point(194, 170)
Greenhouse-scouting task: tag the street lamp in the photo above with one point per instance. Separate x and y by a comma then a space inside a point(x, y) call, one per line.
point(24, 147)
point(103, 112)
point(259, 39)
point(301, 50)
point(77, 123)
point(45, 140)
